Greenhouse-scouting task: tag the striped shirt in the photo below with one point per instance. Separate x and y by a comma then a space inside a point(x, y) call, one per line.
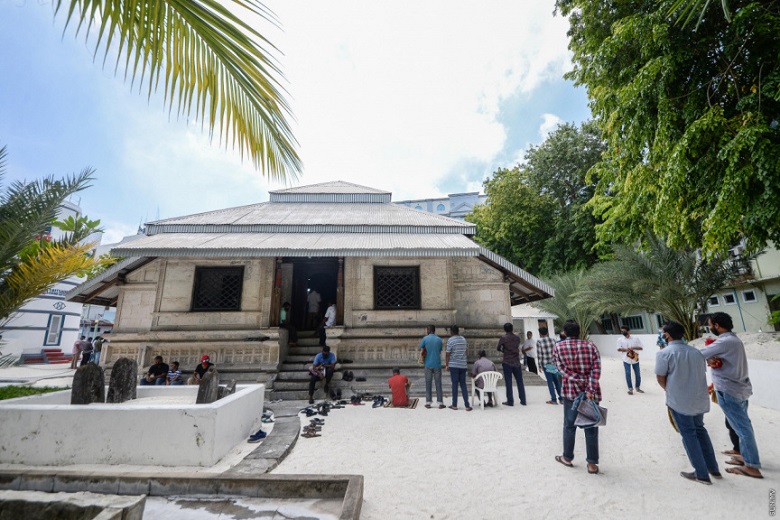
point(172, 374)
point(579, 363)
point(456, 346)
point(544, 350)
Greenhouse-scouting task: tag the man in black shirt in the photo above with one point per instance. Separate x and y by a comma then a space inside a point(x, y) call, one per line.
point(156, 374)
point(200, 370)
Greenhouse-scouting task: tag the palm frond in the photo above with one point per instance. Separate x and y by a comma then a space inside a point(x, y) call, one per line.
point(687, 10)
point(211, 64)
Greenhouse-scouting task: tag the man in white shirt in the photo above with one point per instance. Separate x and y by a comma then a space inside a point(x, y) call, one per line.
point(629, 347)
point(529, 351)
point(313, 301)
point(328, 321)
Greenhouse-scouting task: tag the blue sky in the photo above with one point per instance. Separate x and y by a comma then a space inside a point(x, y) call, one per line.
point(420, 98)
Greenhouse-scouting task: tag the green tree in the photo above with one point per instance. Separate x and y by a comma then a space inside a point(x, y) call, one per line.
point(691, 115)
point(209, 62)
point(28, 262)
point(563, 304)
point(675, 283)
point(536, 214)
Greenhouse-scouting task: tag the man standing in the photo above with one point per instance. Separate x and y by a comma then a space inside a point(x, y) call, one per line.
point(629, 347)
point(509, 345)
point(399, 387)
point(529, 352)
point(328, 320)
point(432, 345)
point(579, 364)
point(682, 372)
point(544, 350)
point(457, 365)
point(86, 351)
point(99, 348)
point(313, 301)
point(324, 364)
point(733, 388)
point(74, 361)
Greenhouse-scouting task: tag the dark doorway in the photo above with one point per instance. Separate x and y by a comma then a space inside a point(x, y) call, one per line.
point(320, 274)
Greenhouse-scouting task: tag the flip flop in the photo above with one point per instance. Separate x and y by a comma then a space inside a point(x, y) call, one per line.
point(563, 461)
point(735, 462)
point(741, 471)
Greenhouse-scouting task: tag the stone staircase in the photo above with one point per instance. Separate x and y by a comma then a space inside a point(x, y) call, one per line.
point(46, 356)
point(292, 380)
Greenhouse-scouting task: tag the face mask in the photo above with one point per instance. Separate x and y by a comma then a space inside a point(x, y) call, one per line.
point(625, 333)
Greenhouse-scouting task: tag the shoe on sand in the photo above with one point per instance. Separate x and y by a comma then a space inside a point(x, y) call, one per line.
point(692, 476)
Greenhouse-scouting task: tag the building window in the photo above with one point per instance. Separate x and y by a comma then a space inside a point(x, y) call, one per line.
point(607, 324)
point(729, 299)
point(440, 207)
point(713, 301)
point(418, 207)
point(749, 296)
point(397, 287)
point(659, 318)
point(54, 329)
point(632, 322)
point(217, 289)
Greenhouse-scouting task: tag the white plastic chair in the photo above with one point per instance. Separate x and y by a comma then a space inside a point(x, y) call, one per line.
point(490, 382)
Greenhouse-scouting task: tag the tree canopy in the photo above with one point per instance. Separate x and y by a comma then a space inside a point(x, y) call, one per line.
point(209, 62)
point(536, 214)
point(676, 284)
point(691, 115)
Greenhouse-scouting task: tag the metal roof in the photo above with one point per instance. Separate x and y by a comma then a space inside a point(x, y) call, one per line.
point(323, 220)
point(333, 217)
point(221, 245)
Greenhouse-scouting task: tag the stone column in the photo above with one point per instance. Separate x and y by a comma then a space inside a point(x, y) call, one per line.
point(276, 294)
point(340, 293)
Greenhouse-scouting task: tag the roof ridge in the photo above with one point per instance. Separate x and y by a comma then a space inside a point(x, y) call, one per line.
point(212, 212)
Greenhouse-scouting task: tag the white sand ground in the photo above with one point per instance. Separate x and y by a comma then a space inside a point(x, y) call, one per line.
point(498, 463)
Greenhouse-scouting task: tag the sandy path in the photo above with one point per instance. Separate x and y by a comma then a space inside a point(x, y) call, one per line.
point(498, 463)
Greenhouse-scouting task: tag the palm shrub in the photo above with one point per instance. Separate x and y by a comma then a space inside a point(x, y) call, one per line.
point(28, 263)
point(675, 283)
point(563, 304)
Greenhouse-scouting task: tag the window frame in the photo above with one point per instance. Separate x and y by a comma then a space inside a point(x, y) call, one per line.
point(755, 296)
point(726, 296)
point(717, 301)
point(633, 326)
point(195, 284)
point(417, 297)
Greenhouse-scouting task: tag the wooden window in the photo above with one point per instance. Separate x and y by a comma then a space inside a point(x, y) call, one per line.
point(217, 289)
point(397, 287)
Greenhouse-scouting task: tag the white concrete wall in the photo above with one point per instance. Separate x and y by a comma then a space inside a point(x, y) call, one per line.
point(46, 430)
point(763, 374)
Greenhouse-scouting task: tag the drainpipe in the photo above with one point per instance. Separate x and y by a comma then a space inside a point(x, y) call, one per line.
point(739, 307)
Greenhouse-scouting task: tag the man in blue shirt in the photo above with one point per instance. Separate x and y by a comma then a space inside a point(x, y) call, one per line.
point(324, 363)
point(432, 345)
point(682, 373)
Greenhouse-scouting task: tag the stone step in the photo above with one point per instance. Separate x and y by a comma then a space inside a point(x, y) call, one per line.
point(312, 350)
point(298, 359)
point(296, 375)
point(292, 367)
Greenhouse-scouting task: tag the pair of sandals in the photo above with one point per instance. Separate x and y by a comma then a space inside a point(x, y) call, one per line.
point(593, 469)
point(379, 401)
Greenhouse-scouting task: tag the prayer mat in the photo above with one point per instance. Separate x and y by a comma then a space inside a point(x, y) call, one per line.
point(412, 404)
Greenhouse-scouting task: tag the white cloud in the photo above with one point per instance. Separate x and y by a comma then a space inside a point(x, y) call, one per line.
point(549, 123)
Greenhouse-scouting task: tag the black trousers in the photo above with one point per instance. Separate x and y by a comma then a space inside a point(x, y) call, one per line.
point(314, 379)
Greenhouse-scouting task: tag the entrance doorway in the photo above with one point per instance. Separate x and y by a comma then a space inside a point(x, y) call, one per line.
point(301, 276)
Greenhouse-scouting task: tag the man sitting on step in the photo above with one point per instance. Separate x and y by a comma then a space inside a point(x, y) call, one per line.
point(324, 364)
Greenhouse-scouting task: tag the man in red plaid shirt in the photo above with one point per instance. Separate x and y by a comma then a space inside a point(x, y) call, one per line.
point(579, 363)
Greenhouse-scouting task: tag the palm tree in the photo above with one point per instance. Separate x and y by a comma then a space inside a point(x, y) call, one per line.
point(563, 304)
point(675, 283)
point(209, 62)
point(28, 263)
point(687, 10)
